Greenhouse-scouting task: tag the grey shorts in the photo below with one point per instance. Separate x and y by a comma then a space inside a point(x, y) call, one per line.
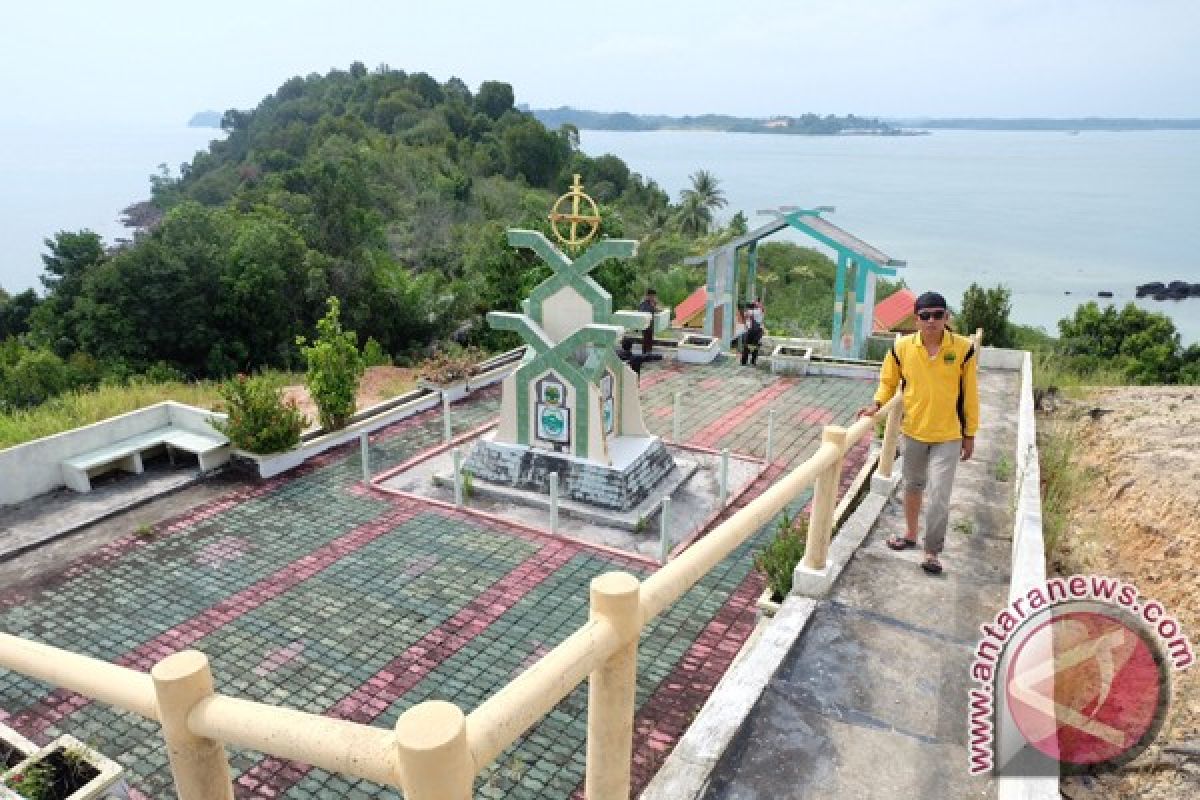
point(921, 458)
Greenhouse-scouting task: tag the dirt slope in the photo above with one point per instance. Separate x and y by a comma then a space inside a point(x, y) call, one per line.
point(1138, 518)
point(377, 384)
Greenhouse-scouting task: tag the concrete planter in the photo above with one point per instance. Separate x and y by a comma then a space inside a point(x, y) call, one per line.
point(767, 607)
point(455, 391)
point(107, 784)
point(788, 359)
point(844, 367)
point(14, 748)
point(696, 348)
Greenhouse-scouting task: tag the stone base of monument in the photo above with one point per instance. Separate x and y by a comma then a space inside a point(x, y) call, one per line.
point(692, 485)
point(639, 465)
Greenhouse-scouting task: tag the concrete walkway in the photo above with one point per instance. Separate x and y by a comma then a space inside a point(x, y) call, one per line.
point(871, 700)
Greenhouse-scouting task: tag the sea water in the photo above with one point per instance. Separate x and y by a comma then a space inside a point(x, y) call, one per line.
point(1055, 217)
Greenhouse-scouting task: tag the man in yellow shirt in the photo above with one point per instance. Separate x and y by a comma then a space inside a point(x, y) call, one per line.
point(937, 372)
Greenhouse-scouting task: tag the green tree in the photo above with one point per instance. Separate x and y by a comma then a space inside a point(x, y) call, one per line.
point(335, 367)
point(15, 311)
point(69, 258)
point(1142, 344)
point(494, 98)
point(988, 309)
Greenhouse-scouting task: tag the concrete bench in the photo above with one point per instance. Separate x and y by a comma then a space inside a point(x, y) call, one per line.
point(126, 454)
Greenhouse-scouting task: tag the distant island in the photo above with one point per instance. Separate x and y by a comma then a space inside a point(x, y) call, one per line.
point(1044, 124)
point(205, 119)
point(806, 124)
point(817, 125)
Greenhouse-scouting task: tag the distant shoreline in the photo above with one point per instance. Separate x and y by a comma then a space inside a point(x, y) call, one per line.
point(850, 125)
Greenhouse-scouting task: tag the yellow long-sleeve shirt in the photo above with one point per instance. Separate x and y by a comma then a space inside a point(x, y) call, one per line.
point(941, 394)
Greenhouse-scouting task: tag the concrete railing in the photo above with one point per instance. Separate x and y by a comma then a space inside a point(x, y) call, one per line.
point(436, 751)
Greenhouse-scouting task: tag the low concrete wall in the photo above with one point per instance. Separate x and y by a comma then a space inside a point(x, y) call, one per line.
point(372, 419)
point(1028, 567)
point(35, 468)
point(1001, 358)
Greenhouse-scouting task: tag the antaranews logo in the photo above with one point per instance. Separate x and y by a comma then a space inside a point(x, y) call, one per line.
point(1073, 676)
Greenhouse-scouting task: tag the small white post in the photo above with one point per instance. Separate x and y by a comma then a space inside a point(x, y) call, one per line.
point(554, 502)
point(363, 446)
point(456, 456)
point(770, 434)
point(446, 416)
point(724, 477)
point(678, 404)
point(664, 538)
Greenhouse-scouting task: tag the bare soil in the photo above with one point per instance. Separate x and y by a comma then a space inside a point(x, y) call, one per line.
point(1137, 517)
point(377, 384)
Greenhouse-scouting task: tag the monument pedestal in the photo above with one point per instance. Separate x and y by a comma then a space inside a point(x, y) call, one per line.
point(638, 465)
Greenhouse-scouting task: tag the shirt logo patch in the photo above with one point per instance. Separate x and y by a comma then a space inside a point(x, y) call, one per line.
point(948, 358)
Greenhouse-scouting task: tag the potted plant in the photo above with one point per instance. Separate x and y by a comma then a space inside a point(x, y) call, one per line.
point(65, 769)
point(449, 371)
point(778, 561)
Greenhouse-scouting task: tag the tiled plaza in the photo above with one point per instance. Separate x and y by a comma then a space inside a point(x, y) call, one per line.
point(312, 592)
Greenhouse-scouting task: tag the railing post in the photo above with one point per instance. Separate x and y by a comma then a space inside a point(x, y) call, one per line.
point(198, 765)
point(676, 422)
point(434, 759)
point(820, 526)
point(891, 433)
point(363, 446)
point(447, 432)
point(456, 460)
point(615, 598)
point(724, 480)
point(553, 502)
point(664, 536)
point(770, 435)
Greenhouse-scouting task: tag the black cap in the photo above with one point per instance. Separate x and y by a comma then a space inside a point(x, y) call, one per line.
point(651, 291)
point(930, 300)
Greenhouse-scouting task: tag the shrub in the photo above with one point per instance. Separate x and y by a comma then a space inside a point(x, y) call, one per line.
point(259, 420)
point(36, 377)
point(334, 368)
point(450, 365)
point(373, 355)
point(779, 559)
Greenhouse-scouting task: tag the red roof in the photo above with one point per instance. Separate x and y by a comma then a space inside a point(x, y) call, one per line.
point(695, 304)
point(891, 312)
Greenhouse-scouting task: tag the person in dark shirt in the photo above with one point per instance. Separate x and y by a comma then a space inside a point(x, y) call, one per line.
point(649, 304)
point(753, 333)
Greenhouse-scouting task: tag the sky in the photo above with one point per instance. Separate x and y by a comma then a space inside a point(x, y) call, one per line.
point(146, 62)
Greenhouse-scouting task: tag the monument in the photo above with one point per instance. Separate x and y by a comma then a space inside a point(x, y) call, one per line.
point(572, 407)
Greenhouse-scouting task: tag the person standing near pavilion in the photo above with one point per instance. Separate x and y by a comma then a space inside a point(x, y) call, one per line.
point(937, 372)
point(753, 333)
point(649, 304)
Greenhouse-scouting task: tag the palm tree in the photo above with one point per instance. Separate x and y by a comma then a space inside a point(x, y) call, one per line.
point(706, 187)
point(694, 216)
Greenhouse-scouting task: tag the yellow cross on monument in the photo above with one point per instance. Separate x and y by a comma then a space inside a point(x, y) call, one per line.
point(591, 221)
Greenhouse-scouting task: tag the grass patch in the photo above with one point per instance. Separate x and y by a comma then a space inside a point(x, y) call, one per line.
point(1062, 480)
point(1052, 370)
point(78, 408)
point(1004, 469)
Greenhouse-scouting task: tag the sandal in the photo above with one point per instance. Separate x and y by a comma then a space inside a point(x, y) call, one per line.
point(931, 565)
point(900, 543)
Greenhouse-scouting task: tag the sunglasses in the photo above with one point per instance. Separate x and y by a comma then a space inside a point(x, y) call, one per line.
point(925, 316)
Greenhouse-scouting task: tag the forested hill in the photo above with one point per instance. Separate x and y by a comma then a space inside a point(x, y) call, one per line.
point(390, 190)
point(811, 124)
